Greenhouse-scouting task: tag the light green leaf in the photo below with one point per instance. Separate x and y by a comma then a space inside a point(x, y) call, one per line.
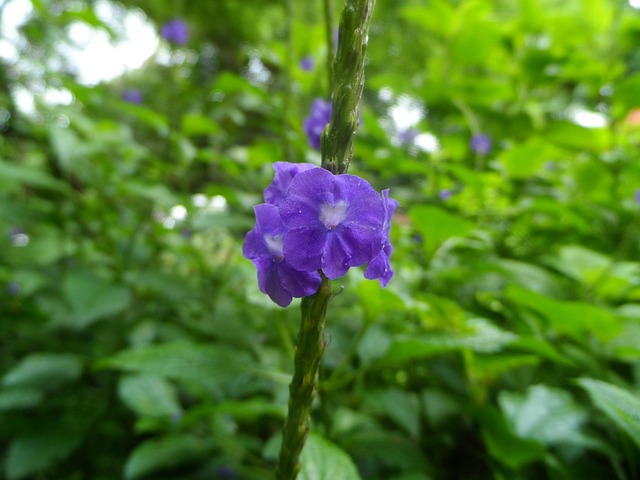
point(437, 225)
point(160, 453)
point(483, 337)
point(504, 445)
point(44, 371)
point(209, 366)
point(619, 405)
point(548, 415)
point(150, 396)
point(323, 460)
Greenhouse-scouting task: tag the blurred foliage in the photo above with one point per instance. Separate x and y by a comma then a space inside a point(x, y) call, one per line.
point(134, 341)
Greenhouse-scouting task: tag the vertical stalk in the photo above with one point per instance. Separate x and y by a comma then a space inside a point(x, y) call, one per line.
point(286, 101)
point(328, 24)
point(337, 149)
point(311, 345)
point(348, 83)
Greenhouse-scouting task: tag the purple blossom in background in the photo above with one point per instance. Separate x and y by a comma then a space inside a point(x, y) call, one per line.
point(332, 222)
point(175, 31)
point(13, 288)
point(480, 143)
point(132, 96)
point(227, 473)
point(278, 189)
point(264, 247)
point(316, 121)
point(307, 64)
point(445, 194)
point(380, 267)
point(408, 136)
point(637, 196)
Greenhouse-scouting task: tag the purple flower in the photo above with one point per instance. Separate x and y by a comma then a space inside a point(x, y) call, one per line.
point(445, 194)
point(332, 222)
point(132, 96)
point(316, 121)
point(380, 267)
point(264, 247)
point(408, 136)
point(637, 196)
point(307, 64)
point(277, 190)
point(175, 31)
point(480, 143)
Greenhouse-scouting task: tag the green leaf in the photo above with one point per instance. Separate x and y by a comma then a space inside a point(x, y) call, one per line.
point(150, 396)
point(210, 366)
point(504, 445)
point(194, 124)
point(402, 407)
point(548, 415)
point(436, 226)
point(619, 405)
point(13, 174)
point(483, 337)
point(161, 453)
point(526, 159)
point(92, 298)
point(322, 460)
point(571, 318)
point(39, 449)
point(44, 371)
point(19, 398)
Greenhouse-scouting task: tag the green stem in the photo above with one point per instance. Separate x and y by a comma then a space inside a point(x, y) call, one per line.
point(337, 150)
point(328, 23)
point(311, 345)
point(348, 83)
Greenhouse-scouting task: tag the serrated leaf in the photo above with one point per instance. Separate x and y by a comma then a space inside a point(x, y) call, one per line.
point(150, 396)
point(161, 453)
point(619, 405)
point(322, 460)
point(44, 371)
point(209, 366)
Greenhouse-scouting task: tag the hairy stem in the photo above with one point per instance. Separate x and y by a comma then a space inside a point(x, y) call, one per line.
point(348, 82)
point(311, 345)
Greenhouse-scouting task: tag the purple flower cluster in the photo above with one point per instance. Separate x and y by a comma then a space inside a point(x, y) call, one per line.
point(315, 221)
point(175, 31)
point(316, 121)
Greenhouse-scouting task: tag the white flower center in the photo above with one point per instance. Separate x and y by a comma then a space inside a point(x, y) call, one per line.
point(274, 244)
point(333, 215)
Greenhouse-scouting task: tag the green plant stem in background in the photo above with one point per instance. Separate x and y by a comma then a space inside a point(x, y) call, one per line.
point(287, 151)
point(348, 82)
point(311, 345)
point(337, 149)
